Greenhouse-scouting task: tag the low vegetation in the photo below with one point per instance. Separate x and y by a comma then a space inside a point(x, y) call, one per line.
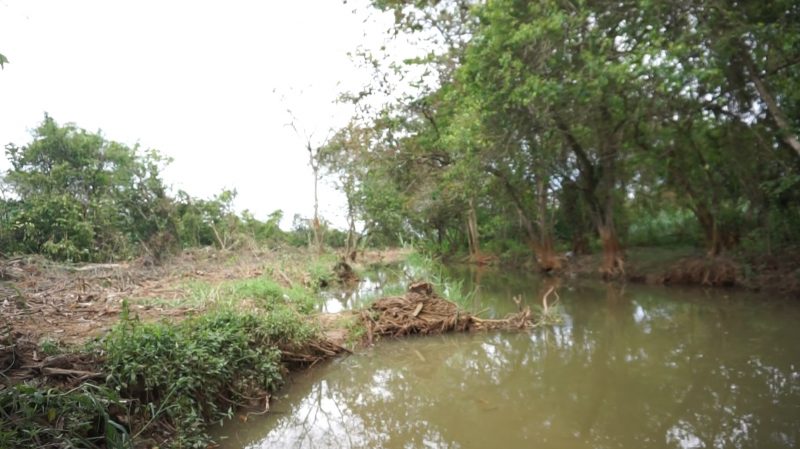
point(148, 380)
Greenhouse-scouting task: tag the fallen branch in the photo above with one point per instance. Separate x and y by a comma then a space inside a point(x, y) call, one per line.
point(84, 375)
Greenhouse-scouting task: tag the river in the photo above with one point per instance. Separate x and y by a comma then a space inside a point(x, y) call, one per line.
point(628, 367)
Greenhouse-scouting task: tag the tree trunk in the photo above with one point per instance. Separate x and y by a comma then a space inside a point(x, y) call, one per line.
point(699, 204)
point(472, 231)
point(597, 187)
point(613, 265)
point(784, 127)
point(540, 240)
point(315, 223)
point(546, 253)
point(351, 249)
point(580, 243)
point(710, 229)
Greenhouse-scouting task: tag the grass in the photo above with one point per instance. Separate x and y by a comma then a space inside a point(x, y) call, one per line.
point(183, 376)
point(31, 416)
point(423, 267)
point(164, 380)
point(319, 271)
point(262, 291)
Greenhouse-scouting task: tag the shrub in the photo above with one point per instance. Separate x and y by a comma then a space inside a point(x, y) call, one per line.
point(195, 372)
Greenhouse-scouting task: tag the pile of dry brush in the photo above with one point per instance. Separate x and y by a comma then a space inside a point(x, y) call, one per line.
point(421, 311)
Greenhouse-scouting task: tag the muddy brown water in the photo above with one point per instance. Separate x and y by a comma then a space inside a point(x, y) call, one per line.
point(632, 367)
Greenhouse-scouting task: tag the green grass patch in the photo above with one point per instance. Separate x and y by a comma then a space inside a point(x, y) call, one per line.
point(422, 267)
point(186, 375)
point(264, 292)
point(161, 380)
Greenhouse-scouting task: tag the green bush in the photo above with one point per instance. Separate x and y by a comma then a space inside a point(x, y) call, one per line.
point(195, 372)
point(82, 197)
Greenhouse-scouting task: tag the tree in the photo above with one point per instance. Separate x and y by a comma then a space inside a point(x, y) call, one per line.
point(343, 156)
point(553, 114)
point(82, 197)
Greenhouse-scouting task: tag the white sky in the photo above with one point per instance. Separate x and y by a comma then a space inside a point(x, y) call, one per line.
point(207, 83)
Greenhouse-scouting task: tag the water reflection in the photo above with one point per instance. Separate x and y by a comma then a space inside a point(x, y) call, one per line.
point(371, 285)
point(629, 368)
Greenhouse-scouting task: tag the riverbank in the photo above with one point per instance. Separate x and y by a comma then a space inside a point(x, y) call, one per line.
point(776, 273)
point(140, 355)
point(134, 355)
point(127, 355)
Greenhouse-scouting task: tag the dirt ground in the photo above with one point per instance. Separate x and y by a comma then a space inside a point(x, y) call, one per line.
point(41, 300)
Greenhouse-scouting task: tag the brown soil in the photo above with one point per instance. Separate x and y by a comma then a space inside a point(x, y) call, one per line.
point(69, 304)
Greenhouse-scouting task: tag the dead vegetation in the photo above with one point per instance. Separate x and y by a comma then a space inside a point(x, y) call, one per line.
point(61, 306)
point(22, 361)
point(345, 273)
point(710, 272)
point(41, 299)
point(422, 312)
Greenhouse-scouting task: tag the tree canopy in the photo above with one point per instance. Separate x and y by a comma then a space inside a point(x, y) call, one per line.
point(556, 124)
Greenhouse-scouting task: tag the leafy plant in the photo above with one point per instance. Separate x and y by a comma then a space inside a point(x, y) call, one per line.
point(31, 416)
point(195, 372)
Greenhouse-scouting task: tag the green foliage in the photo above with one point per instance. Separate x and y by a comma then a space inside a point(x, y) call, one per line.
point(320, 271)
point(420, 266)
point(32, 416)
point(50, 347)
point(209, 222)
point(646, 122)
point(270, 295)
point(663, 228)
point(195, 372)
point(74, 195)
point(82, 197)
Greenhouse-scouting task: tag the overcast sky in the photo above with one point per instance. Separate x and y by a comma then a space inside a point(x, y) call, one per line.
point(207, 83)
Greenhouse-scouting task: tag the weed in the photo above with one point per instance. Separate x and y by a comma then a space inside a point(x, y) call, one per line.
point(185, 375)
point(356, 331)
point(50, 347)
point(269, 295)
point(421, 266)
point(320, 271)
point(31, 416)
point(549, 316)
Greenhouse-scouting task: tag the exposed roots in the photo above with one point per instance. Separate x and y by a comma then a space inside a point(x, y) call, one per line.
point(311, 353)
point(714, 272)
point(421, 311)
